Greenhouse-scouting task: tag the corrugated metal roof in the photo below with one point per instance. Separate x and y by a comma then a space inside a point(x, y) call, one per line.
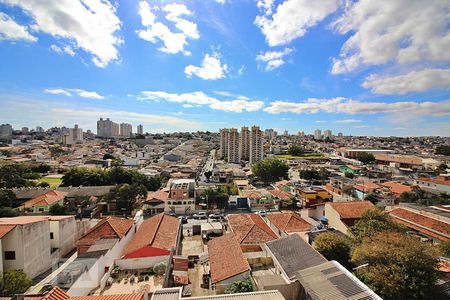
point(331, 281)
point(263, 295)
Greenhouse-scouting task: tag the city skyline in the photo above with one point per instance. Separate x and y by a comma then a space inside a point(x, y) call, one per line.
point(188, 66)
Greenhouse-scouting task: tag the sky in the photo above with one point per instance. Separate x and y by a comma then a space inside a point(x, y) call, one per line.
point(365, 67)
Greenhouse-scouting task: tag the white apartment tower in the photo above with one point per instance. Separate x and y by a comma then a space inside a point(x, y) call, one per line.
point(317, 134)
point(76, 134)
point(107, 128)
point(327, 134)
point(224, 143)
point(233, 146)
point(245, 143)
point(126, 130)
point(256, 144)
point(6, 131)
point(140, 129)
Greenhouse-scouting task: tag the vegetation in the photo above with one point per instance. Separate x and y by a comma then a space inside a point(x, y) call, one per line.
point(445, 248)
point(372, 198)
point(309, 174)
point(16, 175)
point(349, 175)
point(334, 246)
point(244, 286)
point(216, 198)
point(349, 190)
point(108, 156)
point(310, 155)
point(443, 150)
point(50, 181)
point(113, 176)
point(295, 150)
point(57, 209)
point(270, 170)
point(397, 266)
point(7, 212)
point(127, 195)
point(208, 174)
point(7, 198)
point(365, 157)
point(14, 282)
point(420, 197)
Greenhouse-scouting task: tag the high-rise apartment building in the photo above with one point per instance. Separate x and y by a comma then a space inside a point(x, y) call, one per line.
point(256, 144)
point(340, 134)
point(140, 129)
point(25, 130)
point(224, 143)
point(317, 134)
point(270, 134)
point(6, 131)
point(39, 129)
point(107, 128)
point(72, 136)
point(327, 134)
point(245, 143)
point(301, 134)
point(126, 130)
point(286, 133)
point(233, 146)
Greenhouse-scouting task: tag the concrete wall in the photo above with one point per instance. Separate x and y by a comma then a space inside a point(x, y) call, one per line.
point(31, 243)
point(334, 220)
point(65, 235)
point(140, 263)
point(222, 285)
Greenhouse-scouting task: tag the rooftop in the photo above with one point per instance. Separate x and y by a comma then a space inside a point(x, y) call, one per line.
point(351, 210)
point(289, 222)
point(250, 229)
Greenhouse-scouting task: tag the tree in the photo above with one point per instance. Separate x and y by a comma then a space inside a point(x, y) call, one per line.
point(372, 222)
point(14, 282)
point(58, 210)
point(445, 248)
point(270, 170)
point(365, 157)
point(244, 286)
point(16, 175)
point(127, 195)
point(334, 246)
point(349, 190)
point(7, 198)
point(295, 150)
point(208, 174)
point(7, 212)
point(398, 266)
point(349, 175)
point(372, 198)
point(218, 198)
point(41, 168)
point(43, 184)
point(443, 150)
point(408, 197)
point(108, 156)
point(309, 174)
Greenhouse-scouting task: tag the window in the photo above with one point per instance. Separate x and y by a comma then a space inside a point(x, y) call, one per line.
point(10, 255)
point(51, 235)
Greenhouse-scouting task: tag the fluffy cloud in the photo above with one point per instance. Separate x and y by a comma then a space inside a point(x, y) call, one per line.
point(402, 31)
point(239, 104)
point(349, 106)
point(12, 31)
point(292, 18)
point(79, 92)
point(174, 42)
point(91, 25)
point(273, 59)
point(64, 49)
point(414, 81)
point(210, 69)
point(348, 121)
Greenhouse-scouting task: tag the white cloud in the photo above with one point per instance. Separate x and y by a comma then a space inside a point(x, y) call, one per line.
point(320, 121)
point(292, 18)
point(239, 104)
point(79, 92)
point(174, 42)
point(12, 31)
point(414, 81)
point(210, 69)
point(90, 25)
point(273, 59)
point(401, 31)
point(348, 121)
point(64, 49)
point(221, 1)
point(349, 106)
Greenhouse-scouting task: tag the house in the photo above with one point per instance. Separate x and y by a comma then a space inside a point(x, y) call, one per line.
point(181, 198)
point(58, 294)
point(227, 262)
point(337, 184)
point(330, 280)
point(396, 188)
point(25, 244)
point(310, 197)
point(342, 215)
point(156, 201)
point(440, 183)
point(107, 228)
point(284, 224)
point(364, 188)
point(152, 243)
point(64, 232)
point(424, 224)
point(176, 294)
point(250, 231)
point(43, 202)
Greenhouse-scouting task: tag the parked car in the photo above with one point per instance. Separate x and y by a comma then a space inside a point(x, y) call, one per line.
point(216, 216)
point(262, 213)
point(201, 216)
point(172, 214)
point(183, 219)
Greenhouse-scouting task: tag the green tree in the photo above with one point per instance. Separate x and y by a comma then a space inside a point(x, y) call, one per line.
point(295, 150)
point(14, 282)
point(217, 198)
point(309, 174)
point(58, 210)
point(7, 198)
point(244, 286)
point(334, 246)
point(365, 157)
point(349, 175)
point(408, 197)
point(127, 195)
point(372, 222)
point(16, 175)
point(443, 150)
point(270, 170)
point(349, 190)
point(41, 168)
point(445, 248)
point(208, 174)
point(7, 212)
point(108, 156)
point(372, 198)
point(397, 266)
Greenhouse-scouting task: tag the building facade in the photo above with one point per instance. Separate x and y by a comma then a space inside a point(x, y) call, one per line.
point(256, 144)
point(245, 143)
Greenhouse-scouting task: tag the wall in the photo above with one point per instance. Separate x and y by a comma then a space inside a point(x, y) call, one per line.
point(65, 235)
point(334, 220)
point(251, 248)
point(222, 285)
point(140, 263)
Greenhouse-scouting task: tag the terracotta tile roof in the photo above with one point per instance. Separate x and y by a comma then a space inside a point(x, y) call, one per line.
point(226, 258)
point(280, 194)
point(435, 181)
point(49, 198)
point(180, 263)
point(55, 294)
point(367, 186)
point(4, 229)
point(252, 194)
point(427, 225)
point(22, 220)
point(108, 228)
point(281, 183)
point(351, 210)
point(161, 195)
point(289, 222)
point(159, 231)
point(134, 296)
point(251, 229)
point(397, 188)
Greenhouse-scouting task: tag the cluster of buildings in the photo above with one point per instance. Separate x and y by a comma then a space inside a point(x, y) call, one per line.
point(109, 129)
point(244, 146)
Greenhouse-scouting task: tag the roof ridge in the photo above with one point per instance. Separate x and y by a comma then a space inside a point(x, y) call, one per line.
point(157, 228)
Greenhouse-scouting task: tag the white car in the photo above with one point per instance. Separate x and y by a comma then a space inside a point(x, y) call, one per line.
point(201, 215)
point(262, 213)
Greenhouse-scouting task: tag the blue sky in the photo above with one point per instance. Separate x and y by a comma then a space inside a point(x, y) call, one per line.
point(357, 67)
